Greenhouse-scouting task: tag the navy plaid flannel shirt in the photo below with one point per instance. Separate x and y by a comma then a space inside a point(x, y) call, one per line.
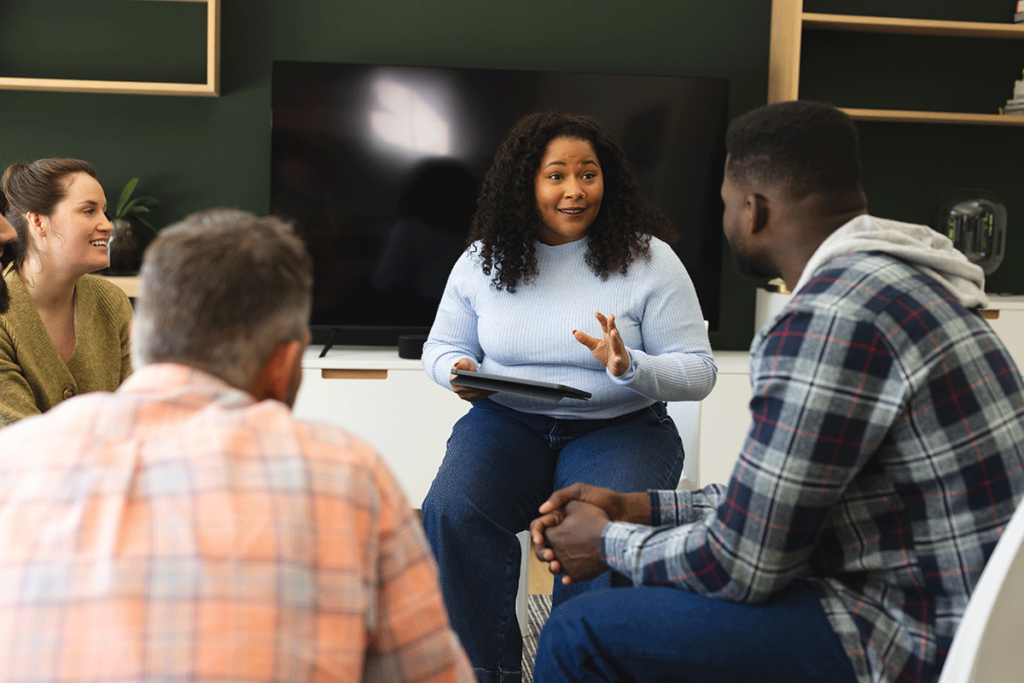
point(884, 459)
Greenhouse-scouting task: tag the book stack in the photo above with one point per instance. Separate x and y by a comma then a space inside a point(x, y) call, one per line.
point(1015, 105)
point(1019, 16)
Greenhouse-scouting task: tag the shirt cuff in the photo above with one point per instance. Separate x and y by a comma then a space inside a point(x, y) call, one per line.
point(620, 549)
point(630, 374)
point(673, 508)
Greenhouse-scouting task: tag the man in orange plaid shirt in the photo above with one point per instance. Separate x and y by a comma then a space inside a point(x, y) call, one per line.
point(187, 527)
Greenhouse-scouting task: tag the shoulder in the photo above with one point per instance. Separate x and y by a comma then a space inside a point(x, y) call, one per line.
point(873, 286)
point(661, 265)
point(105, 296)
point(21, 319)
point(469, 266)
point(313, 439)
point(341, 462)
point(662, 254)
point(879, 301)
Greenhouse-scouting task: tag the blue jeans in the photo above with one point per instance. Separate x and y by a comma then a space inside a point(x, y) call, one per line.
point(500, 465)
point(666, 634)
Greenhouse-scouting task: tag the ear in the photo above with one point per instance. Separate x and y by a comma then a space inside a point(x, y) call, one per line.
point(276, 377)
point(36, 223)
point(758, 212)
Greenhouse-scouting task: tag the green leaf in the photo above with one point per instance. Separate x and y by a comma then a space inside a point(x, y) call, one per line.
point(146, 223)
point(125, 194)
point(139, 204)
point(151, 202)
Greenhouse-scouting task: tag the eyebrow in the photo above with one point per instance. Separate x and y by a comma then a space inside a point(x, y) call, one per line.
point(562, 163)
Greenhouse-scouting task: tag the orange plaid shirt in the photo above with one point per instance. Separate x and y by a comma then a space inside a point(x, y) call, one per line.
point(176, 530)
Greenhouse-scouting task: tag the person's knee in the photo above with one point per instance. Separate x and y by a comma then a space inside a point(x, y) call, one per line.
point(456, 509)
point(557, 643)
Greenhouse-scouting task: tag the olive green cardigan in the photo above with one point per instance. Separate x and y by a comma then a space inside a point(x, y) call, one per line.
point(33, 378)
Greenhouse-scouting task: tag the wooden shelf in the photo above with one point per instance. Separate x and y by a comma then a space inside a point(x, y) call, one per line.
point(211, 88)
point(908, 116)
point(789, 21)
point(925, 27)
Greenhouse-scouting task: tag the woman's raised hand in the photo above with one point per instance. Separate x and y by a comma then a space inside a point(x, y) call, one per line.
point(609, 350)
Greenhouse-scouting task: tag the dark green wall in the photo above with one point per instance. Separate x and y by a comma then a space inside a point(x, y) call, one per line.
point(195, 153)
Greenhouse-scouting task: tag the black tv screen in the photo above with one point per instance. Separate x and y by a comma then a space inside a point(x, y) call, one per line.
point(378, 166)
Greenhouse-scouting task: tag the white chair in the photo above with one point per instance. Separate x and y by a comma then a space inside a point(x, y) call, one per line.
point(989, 644)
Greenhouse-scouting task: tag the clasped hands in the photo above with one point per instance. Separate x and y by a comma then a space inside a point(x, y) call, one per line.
point(609, 350)
point(567, 535)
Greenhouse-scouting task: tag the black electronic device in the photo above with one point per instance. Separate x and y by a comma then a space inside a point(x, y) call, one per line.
point(975, 220)
point(379, 167)
point(527, 387)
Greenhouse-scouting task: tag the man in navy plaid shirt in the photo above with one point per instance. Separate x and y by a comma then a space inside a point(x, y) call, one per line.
point(884, 458)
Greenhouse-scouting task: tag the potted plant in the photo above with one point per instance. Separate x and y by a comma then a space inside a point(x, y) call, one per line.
point(131, 231)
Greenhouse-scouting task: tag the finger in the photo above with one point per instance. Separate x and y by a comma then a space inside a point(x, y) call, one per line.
point(561, 497)
point(464, 364)
point(585, 339)
point(602, 320)
point(566, 580)
point(618, 347)
point(537, 528)
point(554, 567)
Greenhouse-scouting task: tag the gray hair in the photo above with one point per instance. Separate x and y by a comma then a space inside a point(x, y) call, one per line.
point(220, 290)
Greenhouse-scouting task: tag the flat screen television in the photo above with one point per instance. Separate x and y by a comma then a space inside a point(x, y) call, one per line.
point(379, 166)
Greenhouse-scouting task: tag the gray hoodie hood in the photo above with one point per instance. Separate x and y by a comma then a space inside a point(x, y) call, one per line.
point(918, 245)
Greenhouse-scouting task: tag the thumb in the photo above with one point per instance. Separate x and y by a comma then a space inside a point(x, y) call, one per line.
point(562, 496)
point(585, 339)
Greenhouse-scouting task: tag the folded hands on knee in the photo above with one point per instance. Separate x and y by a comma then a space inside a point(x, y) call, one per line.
point(567, 535)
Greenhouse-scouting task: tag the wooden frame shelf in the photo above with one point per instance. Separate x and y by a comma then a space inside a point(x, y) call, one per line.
point(924, 27)
point(789, 21)
point(211, 88)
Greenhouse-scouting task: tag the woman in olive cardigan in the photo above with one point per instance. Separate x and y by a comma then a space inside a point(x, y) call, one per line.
point(66, 332)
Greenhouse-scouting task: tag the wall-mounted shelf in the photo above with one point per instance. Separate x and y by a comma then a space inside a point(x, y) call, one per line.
point(789, 21)
point(211, 88)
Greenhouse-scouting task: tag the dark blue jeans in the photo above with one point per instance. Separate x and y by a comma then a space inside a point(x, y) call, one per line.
point(500, 465)
point(664, 634)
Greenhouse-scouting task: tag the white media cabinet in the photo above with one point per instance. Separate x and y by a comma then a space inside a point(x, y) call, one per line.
point(392, 403)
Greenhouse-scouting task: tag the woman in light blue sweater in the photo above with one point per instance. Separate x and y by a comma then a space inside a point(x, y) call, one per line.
point(568, 279)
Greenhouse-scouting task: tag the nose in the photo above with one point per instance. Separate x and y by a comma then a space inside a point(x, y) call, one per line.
point(574, 189)
point(106, 226)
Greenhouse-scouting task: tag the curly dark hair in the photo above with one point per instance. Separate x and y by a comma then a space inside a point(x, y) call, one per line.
point(507, 216)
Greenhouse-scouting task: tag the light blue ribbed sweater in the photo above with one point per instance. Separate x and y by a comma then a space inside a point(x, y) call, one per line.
point(528, 334)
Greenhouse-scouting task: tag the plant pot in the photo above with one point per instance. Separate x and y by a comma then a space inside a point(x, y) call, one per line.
point(125, 246)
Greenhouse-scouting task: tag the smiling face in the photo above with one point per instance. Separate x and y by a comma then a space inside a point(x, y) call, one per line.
point(569, 187)
point(77, 232)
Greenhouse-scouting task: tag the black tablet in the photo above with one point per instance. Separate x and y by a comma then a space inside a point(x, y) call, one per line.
point(528, 387)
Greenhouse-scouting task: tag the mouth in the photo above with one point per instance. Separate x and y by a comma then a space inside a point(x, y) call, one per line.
point(572, 211)
point(99, 243)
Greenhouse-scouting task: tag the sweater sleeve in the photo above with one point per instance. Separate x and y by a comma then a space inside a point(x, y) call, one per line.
point(125, 328)
point(454, 333)
point(676, 363)
point(17, 399)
